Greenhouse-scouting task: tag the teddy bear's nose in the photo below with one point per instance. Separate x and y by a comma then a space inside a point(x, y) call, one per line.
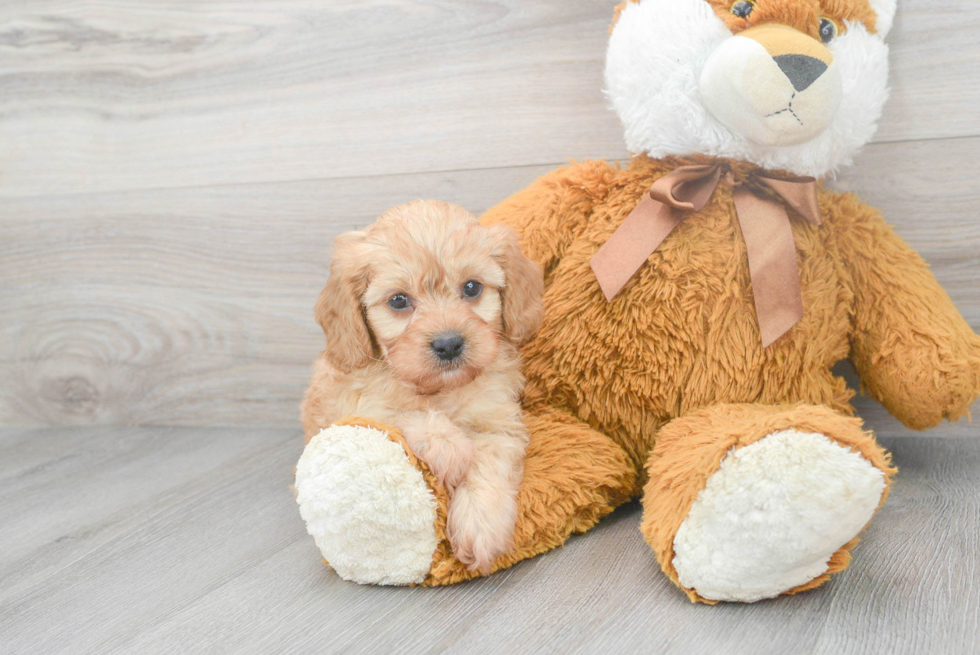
point(801, 70)
point(448, 346)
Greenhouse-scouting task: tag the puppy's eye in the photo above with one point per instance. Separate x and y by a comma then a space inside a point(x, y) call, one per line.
point(828, 30)
point(399, 301)
point(743, 8)
point(472, 289)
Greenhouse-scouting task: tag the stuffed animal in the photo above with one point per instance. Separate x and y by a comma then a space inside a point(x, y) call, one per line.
point(695, 302)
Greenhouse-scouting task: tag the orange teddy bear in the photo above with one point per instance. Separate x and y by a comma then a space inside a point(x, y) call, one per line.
point(695, 303)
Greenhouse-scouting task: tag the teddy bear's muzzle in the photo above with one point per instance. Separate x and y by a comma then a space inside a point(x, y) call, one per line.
point(772, 85)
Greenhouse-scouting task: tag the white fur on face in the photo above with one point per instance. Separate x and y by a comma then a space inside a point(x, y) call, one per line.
point(743, 87)
point(885, 11)
point(488, 305)
point(657, 54)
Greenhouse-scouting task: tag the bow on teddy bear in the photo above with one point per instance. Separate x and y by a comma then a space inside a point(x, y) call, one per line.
point(754, 475)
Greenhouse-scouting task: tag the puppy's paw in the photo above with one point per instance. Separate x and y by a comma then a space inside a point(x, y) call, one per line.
point(463, 550)
point(450, 458)
point(478, 546)
point(480, 532)
point(440, 444)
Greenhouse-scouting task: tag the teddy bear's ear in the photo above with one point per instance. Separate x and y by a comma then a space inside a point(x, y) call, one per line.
point(885, 11)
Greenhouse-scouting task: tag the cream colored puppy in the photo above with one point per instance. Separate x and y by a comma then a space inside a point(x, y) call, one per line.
point(423, 313)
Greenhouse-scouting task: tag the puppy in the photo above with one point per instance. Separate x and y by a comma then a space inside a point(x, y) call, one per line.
point(423, 313)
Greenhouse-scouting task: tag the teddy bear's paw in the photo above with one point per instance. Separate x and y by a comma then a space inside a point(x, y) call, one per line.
point(770, 518)
point(368, 508)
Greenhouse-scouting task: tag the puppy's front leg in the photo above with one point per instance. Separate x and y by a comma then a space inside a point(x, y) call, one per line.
point(483, 510)
point(439, 443)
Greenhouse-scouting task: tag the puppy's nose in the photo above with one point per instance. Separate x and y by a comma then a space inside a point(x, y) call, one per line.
point(448, 345)
point(801, 70)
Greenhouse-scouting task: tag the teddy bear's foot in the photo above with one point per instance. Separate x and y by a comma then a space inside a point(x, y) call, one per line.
point(367, 505)
point(378, 514)
point(779, 499)
point(770, 518)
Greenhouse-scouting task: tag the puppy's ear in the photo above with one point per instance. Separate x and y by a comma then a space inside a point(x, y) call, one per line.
point(339, 310)
point(523, 286)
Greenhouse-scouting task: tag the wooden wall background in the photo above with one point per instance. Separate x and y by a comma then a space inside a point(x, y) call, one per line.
point(172, 173)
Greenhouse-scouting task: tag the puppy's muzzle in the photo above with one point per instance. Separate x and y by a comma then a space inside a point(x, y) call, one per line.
point(448, 346)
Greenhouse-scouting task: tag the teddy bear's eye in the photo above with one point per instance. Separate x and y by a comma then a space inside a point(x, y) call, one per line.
point(743, 8)
point(828, 30)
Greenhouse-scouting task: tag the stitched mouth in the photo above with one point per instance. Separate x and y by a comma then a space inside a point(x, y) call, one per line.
point(788, 108)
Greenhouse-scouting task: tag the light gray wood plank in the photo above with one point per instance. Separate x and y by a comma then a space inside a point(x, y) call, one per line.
point(219, 562)
point(917, 588)
point(164, 94)
point(130, 94)
point(173, 539)
point(189, 306)
point(62, 491)
point(194, 306)
point(926, 68)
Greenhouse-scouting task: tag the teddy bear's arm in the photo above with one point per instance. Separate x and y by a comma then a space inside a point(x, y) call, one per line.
point(549, 213)
point(914, 351)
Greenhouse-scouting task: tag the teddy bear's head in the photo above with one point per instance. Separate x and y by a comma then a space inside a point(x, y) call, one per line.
point(785, 84)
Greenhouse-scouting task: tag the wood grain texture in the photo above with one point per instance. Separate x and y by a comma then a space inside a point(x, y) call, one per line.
point(183, 306)
point(128, 94)
point(188, 540)
point(194, 306)
point(172, 175)
point(161, 94)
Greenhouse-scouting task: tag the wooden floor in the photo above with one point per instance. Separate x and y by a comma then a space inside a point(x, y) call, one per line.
point(187, 540)
point(172, 174)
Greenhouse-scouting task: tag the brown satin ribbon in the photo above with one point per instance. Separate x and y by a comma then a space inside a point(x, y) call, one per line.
point(765, 228)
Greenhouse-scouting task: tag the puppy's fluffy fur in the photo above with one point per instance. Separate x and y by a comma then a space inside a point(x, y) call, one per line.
point(462, 417)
